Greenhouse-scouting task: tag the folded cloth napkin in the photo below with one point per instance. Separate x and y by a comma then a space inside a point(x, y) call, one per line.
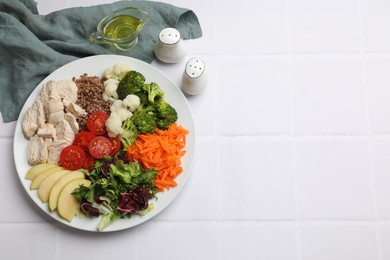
point(32, 45)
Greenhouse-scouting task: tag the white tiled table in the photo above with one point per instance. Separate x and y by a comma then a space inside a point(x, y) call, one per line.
point(293, 158)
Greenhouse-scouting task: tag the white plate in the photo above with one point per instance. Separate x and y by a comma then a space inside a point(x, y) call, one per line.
point(95, 65)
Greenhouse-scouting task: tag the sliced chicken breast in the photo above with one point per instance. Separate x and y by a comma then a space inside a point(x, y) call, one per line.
point(72, 122)
point(30, 121)
point(64, 131)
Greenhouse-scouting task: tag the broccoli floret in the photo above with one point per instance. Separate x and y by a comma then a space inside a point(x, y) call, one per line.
point(164, 123)
point(129, 134)
point(143, 97)
point(144, 121)
point(131, 83)
point(165, 114)
point(154, 92)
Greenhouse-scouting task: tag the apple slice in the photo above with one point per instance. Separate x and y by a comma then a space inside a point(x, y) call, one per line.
point(36, 182)
point(55, 191)
point(37, 169)
point(67, 203)
point(48, 183)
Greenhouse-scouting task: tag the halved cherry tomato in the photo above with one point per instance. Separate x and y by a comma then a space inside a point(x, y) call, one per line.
point(100, 147)
point(116, 145)
point(89, 162)
point(83, 138)
point(72, 157)
point(96, 122)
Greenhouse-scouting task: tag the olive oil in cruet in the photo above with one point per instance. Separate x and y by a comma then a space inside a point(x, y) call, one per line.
point(122, 26)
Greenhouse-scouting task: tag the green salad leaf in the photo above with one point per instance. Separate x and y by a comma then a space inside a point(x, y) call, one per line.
point(119, 188)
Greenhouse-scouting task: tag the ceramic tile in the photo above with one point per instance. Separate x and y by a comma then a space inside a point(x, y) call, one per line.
point(381, 171)
point(328, 96)
point(199, 198)
point(333, 178)
point(89, 245)
point(175, 241)
point(384, 236)
point(375, 20)
point(254, 102)
point(378, 93)
point(258, 27)
point(338, 241)
point(207, 21)
point(7, 129)
point(256, 179)
point(48, 6)
point(28, 241)
point(324, 26)
point(244, 240)
point(26, 210)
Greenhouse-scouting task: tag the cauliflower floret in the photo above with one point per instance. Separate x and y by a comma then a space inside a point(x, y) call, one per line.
point(110, 87)
point(132, 102)
point(117, 104)
point(119, 113)
point(114, 125)
point(123, 114)
point(117, 71)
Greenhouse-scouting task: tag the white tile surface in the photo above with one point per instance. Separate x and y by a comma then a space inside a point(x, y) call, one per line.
point(199, 200)
point(266, 23)
point(378, 92)
point(190, 240)
point(375, 18)
point(293, 143)
point(256, 180)
point(258, 241)
point(79, 245)
point(384, 237)
point(35, 242)
point(333, 178)
point(23, 208)
point(324, 26)
point(380, 146)
point(328, 95)
point(338, 241)
point(7, 129)
point(260, 103)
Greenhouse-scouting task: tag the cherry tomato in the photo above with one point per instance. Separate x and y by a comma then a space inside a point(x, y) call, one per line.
point(83, 138)
point(96, 123)
point(116, 145)
point(89, 162)
point(100, 147)
point(72, 157)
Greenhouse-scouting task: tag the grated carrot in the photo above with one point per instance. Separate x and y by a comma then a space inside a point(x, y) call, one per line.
point(161, 151)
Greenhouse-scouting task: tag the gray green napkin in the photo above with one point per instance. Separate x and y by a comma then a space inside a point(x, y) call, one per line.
point(32, 45)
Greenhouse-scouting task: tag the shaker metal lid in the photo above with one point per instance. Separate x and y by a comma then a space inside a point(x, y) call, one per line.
point(194, 68)
point(169, 36)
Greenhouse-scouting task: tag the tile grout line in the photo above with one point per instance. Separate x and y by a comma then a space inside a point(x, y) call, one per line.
point(303, 55)
point(292, 131)
point(216, 134)
point(369, 131)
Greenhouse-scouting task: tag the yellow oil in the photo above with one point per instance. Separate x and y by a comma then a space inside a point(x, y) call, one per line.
point(122, 26)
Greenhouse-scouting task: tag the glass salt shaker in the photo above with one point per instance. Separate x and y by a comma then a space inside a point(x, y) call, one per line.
point(170, 48)
point(195, 77)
